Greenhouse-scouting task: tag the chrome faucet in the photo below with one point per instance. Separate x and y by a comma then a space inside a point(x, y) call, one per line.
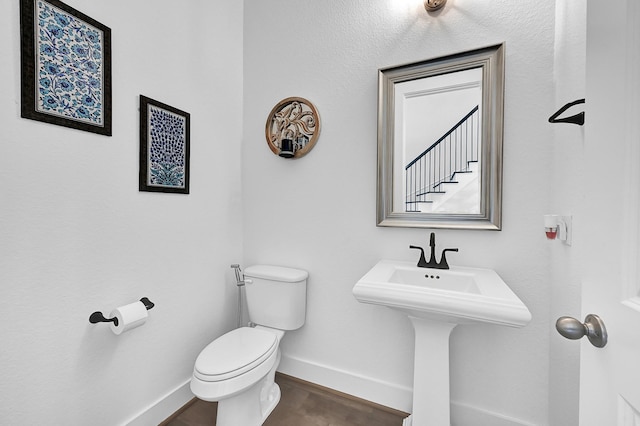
point(433, 263)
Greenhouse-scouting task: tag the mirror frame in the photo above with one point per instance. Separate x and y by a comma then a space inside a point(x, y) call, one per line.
point(491, 60)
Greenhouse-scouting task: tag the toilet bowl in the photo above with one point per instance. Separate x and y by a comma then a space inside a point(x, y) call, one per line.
point(238, 369)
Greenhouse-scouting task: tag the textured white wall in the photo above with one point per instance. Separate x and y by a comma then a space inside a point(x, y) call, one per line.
point(76, 236)
point(318, 212)
point(76, 232)
point(568, 173)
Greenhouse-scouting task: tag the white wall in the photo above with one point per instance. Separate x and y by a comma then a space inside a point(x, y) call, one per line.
point(318, 212)
point(77, 236)
point(568, 174)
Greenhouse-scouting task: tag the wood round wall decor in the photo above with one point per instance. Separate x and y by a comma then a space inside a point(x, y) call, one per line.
point(293, 127)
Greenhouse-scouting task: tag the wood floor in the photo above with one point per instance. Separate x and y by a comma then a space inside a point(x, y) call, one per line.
point(302, 404)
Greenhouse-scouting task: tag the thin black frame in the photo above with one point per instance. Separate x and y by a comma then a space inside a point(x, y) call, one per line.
point(30, 90)
point(144, 147)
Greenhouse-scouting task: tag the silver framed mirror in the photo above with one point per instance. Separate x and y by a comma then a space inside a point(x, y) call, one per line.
point(440, 131)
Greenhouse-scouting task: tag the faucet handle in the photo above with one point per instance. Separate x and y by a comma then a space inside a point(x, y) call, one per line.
point(443, 261)
point(422, 263)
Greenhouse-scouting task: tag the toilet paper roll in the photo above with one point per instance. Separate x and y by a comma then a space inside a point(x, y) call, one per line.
point(129, 317)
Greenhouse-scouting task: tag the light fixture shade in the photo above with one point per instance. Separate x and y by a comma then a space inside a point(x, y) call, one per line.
point(433, 5)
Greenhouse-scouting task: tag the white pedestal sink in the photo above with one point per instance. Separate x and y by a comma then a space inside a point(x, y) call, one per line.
point(436, 301)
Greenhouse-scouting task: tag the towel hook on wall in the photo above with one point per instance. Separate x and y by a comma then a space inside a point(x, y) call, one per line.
point(574, 119)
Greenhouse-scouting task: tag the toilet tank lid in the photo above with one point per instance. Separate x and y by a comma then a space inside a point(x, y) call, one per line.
point(276, 273)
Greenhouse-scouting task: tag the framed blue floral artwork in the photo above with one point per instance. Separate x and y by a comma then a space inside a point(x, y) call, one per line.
point(65, 67)
point(164, 147)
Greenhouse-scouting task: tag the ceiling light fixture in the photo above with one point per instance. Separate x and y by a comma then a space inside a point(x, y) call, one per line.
point(433, 5)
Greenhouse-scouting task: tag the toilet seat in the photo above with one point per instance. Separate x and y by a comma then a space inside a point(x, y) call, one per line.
point(235, 353)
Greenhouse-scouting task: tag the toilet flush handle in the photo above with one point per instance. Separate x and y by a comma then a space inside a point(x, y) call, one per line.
point(248, 281)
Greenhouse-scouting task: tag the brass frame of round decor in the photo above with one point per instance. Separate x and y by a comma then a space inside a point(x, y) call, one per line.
point(293, 118)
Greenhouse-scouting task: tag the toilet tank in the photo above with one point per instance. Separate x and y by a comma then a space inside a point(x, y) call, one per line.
point(276, 296)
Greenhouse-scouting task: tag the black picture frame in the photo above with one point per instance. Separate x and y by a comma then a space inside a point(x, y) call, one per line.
point(65, 67)
point(164, 147)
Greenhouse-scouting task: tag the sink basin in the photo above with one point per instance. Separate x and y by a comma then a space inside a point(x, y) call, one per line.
point(458, 295)
point(437, 301)
point(446, 280)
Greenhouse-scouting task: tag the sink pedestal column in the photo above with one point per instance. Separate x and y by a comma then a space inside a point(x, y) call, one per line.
point(431, 400)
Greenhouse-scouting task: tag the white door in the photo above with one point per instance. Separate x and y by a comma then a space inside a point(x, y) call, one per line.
point(610, 377)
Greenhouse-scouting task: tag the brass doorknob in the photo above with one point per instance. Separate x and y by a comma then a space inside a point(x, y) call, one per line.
point(593, 327)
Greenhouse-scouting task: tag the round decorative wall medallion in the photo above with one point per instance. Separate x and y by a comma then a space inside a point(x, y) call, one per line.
point(293, 127)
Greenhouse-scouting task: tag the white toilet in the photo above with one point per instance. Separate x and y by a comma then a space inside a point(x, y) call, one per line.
point(238, 368)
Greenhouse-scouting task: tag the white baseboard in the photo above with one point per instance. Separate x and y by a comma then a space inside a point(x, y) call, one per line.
point(467, 415)
point(384, 393)
point(388, 394)
point(163, 408)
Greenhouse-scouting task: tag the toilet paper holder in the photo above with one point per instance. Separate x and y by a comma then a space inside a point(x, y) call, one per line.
point(97, 316)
